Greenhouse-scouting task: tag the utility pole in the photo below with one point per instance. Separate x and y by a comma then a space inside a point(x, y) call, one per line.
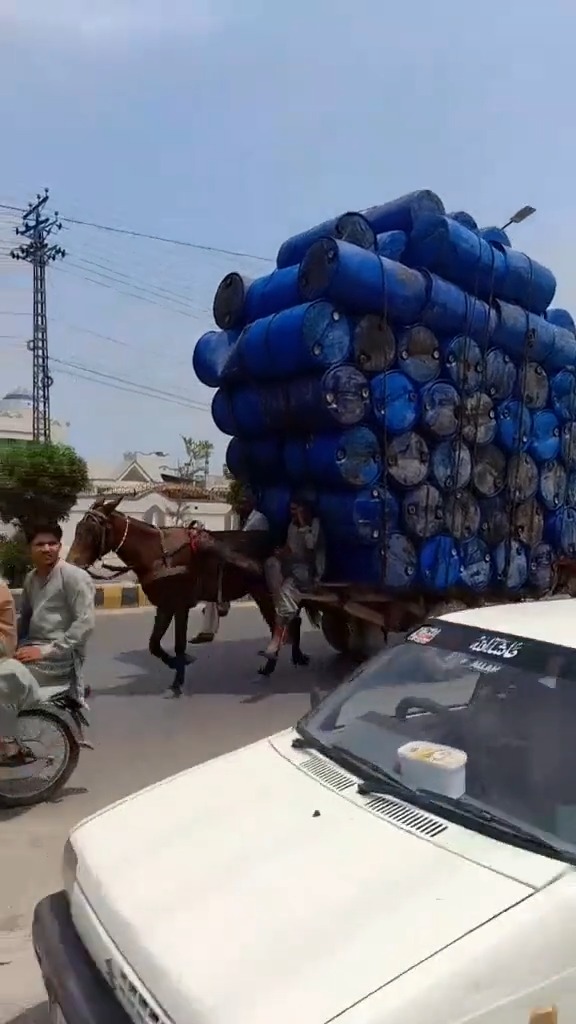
point(36, 229)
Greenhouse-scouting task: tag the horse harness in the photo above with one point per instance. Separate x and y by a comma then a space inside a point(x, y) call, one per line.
point(165, 569)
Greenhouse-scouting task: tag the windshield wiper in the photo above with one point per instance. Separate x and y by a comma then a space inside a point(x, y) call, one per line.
point(463, 812)
point(355, 763)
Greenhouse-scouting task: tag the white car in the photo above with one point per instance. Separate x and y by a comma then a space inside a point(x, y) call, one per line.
point(406, 854)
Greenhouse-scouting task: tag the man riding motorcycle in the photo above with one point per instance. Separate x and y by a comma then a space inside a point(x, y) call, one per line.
point(57, 617)
point(18, 688)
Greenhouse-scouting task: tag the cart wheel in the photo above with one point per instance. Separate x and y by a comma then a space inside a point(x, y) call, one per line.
point(336, 630)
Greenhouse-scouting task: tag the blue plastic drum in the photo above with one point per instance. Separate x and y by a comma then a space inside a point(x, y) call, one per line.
point(256, 462)
point(562, 352)
point(462, 515)
point(571, 487)
point(541, 567)
point(494, 234)
point(223, 413)
point(568, 443)
point(361, 281)
point(553, 483)
point(452, 251)
point(439, 563)
point(511, 565)
point(500, 375)
point(522, 280)
point(400, 562)
point(407, 460)
point(449, 310)
point(545, 440)
point(475, 564)
point(240, 300)
point(395, 402)
point(305, 339)
point(340, 398)
point(423, 511)
point(350, 227)
point(489, 471)
point(250, 413)
point(465, 219)
point(563, 394)
point(392, 245)
point(527, 522)
point(522, 477)
point(560, 531)
point(211, 353)
point(514, 426)
point(401, 214)
point(522, 335)
point(451, 465)
point(495, 515)
point(419, 354)
point(274, 503)
point(464, 364)
point(374, 344)
point(228, 305)
point(354, 563)
point(440, 409)
point(360, 518)
point(532, 386)
point(561, 318)
point(348, 459)
point(479, 424)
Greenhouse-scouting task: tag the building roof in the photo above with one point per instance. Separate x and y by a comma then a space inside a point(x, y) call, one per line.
point(17, 400)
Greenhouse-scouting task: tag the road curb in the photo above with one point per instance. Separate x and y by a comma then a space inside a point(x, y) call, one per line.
point(110, 597)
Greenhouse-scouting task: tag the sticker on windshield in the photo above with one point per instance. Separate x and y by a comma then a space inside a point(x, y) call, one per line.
point(485, 666)
point(498, 646)
point(424, 635)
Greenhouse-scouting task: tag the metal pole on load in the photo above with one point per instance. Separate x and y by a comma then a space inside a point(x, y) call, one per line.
point(522, 214)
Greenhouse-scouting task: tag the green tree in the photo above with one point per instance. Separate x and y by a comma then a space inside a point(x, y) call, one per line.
point(39, 482)
point(192, 470)
point(196, 465)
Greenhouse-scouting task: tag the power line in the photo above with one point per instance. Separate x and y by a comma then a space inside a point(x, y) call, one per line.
point(122, 291)
point(153, 238)
point(117, 382)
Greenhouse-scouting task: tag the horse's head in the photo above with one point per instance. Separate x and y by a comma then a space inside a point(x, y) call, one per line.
point(101, 530)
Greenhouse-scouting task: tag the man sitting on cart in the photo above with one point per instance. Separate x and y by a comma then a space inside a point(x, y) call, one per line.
point(293, 569)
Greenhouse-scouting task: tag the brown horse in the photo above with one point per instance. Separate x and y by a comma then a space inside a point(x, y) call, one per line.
point(177, 568)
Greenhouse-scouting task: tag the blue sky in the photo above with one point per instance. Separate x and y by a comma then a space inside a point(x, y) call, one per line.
point(233, 125)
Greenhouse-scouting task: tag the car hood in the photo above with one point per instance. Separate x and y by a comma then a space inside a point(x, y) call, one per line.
point(243, 891)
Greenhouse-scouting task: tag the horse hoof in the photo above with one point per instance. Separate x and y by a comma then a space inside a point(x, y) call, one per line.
point(173, 693)
point(268, 667)
point(189, 659)
point(300, 660)
point(202, 638)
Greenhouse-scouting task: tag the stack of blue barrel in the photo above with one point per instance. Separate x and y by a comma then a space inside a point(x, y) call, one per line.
point(403, 369)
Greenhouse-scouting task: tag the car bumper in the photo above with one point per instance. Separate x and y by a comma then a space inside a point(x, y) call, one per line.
point(77, 992)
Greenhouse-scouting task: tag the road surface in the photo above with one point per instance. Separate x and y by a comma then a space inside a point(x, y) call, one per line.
point(140, 738)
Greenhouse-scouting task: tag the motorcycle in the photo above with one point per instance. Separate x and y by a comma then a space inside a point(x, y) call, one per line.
point(51, 736)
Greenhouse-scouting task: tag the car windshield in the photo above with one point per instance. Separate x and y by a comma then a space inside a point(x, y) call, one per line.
point(507, 702)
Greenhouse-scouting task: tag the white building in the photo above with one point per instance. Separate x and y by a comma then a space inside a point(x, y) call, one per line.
point(16, 418)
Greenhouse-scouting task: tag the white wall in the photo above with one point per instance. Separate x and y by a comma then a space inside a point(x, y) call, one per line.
point(17, 426)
